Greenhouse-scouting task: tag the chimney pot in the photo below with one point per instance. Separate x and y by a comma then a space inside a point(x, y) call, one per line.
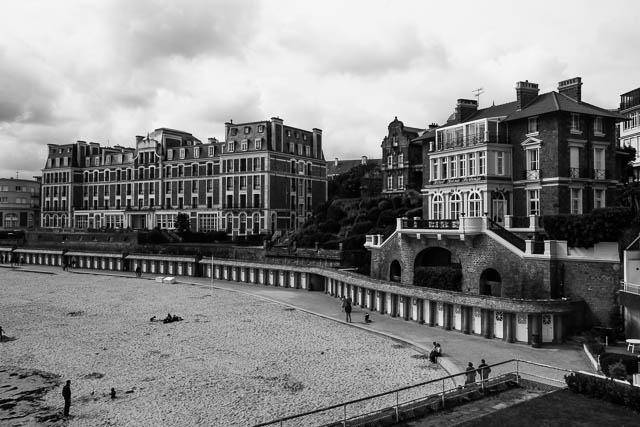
point(572, 88)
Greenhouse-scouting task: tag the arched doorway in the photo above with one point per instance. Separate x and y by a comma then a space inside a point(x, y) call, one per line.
point(395, 271)
point(436, 267)
point(490, 283)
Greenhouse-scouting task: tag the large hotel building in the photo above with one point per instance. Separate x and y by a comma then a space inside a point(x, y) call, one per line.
point(264, 177)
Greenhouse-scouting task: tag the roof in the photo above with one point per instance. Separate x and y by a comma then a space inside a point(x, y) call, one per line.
point(554, 101)
point(494, 111)
point(413, 130)
point(344, 166)
point(428, 134)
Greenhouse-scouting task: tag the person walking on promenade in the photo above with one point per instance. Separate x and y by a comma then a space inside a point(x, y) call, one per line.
point(347, 310)
point(433, 354)
point(138, 271)
point(66, 394)
point(484, 369)
point(343, 302)
point(471, 374)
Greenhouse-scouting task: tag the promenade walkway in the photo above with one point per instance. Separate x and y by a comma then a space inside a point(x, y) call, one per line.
point(458, 348)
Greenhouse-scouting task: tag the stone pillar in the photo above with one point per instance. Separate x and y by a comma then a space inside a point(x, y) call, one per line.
point(433, 312)
point(558, 329)
point(467, 317)
point(535, 322)
point(487, 323)
point(448, 315)
point(420, 310)
point(509, 327)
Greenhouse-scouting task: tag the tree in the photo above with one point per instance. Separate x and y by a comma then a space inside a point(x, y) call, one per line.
point(182, 223)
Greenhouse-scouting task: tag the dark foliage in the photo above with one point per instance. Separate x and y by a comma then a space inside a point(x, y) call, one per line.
point(182, 223)
point(604, 389)
point(362, 227)
point(607, 360)
point(601, 225)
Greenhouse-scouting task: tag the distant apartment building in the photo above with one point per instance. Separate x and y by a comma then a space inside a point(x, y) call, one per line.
point(401, 159)
point(542, 154)
point(234, 185)
point(19, 203)
point(629, 129)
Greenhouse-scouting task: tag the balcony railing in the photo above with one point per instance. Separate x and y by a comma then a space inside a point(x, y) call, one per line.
point(470, 141)
point(631, 288)
point(532, 174)
point(600, 174)
point(431, 224)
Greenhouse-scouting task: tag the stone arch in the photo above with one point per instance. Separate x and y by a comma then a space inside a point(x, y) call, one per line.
point(437, 267)
point(491, 282)
point(395, 271)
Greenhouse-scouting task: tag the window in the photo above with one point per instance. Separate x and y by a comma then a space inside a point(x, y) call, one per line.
point(292, 148)
point(243, 183)
point(389, 182)
point(390, 161)
point(194, 186)
point(533, 197)
point(575, 123)
point(500, 163)
point(289, 133)
point(482, 163)
point(400, 160)
point(400, 182)
point(438, 207)
point(212, 151)
point(462, 162)
point(258, 143)
point(455, 203)
point(472, 164)
point(260, 128)
point(194, 170)
point(180, 186)
point(435, 173)
point(576, 201)
point(443, 168)
point(96, 161)
point(598, 198)
point(453, 166)
point(598, 126)
point(475, 205)
point(307, 150)
point(170, 155)
point(599, 167)
point(196, 152)
point(182, 153)
point(533, 163)
point(244, 145)
point(247, 130)
point(256, 182)
point(532, 125)
point(231, 146)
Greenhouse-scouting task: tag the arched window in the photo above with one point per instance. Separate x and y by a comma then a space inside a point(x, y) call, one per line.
point(475, 204)
point(229, 223)
point(438, 207)
point(454, 204)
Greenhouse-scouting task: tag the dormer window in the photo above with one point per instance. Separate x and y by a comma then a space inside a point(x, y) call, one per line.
point(170, 155)
point(234, 131)
point(247, 130)
point(182, 153)
point(289, 133)
point(231, 146)
point(244, 145)
point(96, 161)
point(260, 128)
point(532, 126)
point(212, 151)
point(196, 152)
point(258, 143)
point(598, 126)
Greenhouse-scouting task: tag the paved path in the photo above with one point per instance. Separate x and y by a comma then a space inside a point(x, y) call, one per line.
point(458, 348)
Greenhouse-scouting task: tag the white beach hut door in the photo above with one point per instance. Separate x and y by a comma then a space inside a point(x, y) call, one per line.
point(457, 318)
point(498, 330)
point(440, 314)
point(547, 328)
point(522, 328)
point(477, 320)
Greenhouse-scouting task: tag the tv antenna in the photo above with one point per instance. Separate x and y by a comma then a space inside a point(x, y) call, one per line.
point(478, 92)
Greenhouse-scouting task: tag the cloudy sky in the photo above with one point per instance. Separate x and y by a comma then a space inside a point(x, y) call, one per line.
point(108, 70)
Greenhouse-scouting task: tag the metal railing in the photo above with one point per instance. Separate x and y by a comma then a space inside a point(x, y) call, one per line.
point(433, 393)
point(631, 288)
point(434, 224)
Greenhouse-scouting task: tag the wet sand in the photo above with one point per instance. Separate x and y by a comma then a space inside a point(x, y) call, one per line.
point(234, 360)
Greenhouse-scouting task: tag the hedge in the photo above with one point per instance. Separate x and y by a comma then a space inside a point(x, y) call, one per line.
point(629, 361)
point(604, 389)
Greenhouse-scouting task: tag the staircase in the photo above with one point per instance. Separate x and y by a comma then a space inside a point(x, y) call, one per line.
point(507, 235)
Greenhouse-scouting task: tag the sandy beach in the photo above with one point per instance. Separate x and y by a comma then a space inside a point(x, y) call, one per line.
point(234, 359)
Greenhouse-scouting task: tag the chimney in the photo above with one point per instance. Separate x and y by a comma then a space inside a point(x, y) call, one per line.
point(465, 108)
point(335, 162)
point(139, 138)
point(571, 88)
point(363, 160)
point(317, 143)
point(433, 125)
point(525, 93)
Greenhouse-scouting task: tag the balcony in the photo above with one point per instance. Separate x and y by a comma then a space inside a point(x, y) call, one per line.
point(469, 141)
point(630, 288)
point(600, 174)
point(532, 174)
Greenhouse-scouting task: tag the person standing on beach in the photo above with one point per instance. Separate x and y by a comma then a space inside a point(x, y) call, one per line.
point(485, 370)
point(66, 394)
point(347, 310)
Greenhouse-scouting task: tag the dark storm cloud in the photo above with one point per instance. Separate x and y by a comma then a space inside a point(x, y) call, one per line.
point(145, 30)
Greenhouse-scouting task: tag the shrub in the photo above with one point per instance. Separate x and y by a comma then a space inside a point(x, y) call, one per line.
point(335, 213)
point(361, 227)
point(605, 389)
point(386, 218)
point(445, 278)
point(600, 225)
point(607, 360)
point(354, 242)
point(384, 204)
point(331, 226)
point(373, 214)
point(416, 212)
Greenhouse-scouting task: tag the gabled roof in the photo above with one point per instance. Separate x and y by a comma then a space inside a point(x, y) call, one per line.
point(428, 134)
point(494, 111)
point(553, 101)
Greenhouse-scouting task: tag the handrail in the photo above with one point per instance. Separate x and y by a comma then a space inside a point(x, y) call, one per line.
point(507, 235)
point(444, 391)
